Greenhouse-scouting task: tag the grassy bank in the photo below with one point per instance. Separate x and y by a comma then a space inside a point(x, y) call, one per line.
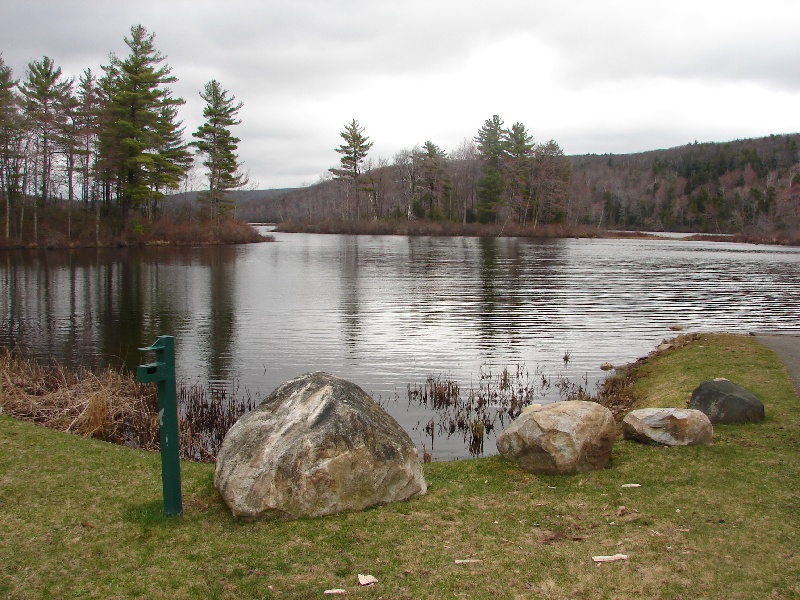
point(82, 518)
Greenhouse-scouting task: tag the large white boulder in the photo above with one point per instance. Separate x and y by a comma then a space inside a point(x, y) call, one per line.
point(668, 426)
point(318, 445)
point(564, 437)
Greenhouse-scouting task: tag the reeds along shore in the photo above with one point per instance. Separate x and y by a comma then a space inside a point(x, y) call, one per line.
point(110, 405)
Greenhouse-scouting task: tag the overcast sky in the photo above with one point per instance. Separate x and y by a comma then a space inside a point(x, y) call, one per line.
point(596, 76)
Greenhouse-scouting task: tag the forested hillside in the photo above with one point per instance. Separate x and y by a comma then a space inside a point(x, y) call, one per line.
point(743, 186)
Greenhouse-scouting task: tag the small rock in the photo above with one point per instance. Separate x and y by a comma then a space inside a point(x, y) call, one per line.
point(606, 366)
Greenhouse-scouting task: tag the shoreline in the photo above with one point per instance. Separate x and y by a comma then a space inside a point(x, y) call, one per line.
point(423, 227)
point(89, 511)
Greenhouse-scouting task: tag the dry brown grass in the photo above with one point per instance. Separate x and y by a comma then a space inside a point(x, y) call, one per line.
point(108, 405)
point(619, 391)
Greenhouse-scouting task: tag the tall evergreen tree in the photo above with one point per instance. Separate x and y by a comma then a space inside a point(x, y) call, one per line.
point(172, 158)
point(10, 136)
point(142, 139)
point(46, 96)
point(434, 178)
point(491, 141)
point(519, 144)
point(218, 145)
point(87, 116)
point(354, 150)
point(492, 148)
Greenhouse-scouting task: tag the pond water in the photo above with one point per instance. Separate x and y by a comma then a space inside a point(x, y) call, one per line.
point(387, 312)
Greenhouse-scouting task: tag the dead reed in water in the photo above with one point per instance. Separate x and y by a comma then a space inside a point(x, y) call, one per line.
point(112, 406)
point(208, 412)
point(108, 405)
point(499, 397)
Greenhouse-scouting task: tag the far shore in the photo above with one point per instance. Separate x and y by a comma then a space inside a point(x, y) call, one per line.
point(58, 230)
point(424, 227)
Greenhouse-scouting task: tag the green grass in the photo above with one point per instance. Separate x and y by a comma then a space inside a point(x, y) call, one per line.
point(81, 518)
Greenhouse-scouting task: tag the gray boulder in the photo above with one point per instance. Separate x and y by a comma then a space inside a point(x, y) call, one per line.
point(668, 426)
point(726, 402)
point(318, 445)
point(564, 437)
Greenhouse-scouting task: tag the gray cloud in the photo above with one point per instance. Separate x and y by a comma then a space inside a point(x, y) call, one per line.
point(613, 76)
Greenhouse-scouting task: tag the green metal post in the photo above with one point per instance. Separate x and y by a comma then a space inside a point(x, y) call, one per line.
point(162, 372)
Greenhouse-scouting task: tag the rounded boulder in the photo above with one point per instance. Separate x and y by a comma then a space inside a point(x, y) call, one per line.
point(560, 438)
point(318, 445)
point(668, 427)
point(726, 402)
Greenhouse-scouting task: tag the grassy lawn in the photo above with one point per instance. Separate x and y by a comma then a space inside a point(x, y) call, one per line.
point(82, 518)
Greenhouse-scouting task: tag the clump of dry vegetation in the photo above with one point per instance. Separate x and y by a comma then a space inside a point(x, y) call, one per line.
point(110, 405)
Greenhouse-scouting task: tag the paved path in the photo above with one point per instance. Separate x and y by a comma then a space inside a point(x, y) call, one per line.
point(788, 348)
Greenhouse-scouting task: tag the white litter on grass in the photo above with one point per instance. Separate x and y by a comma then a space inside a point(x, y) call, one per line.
point(366, 579)
point(466, 561)
point(631, 485)
point(335, 592)
point(612, 558)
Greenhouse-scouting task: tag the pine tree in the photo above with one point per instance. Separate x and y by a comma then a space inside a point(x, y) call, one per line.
point(10, 137)
point(46, 103)
point(87, 114)
point(434, 178)
point(519, 145)
point(551, 176)
point(172, 158)
point(492, 148)
point(354, 151)
point(215, 142)
point(142, 142)
point(491, 140)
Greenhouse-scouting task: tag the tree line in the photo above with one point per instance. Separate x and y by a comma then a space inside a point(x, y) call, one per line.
point(500, 175)
point(749, 187)
point(109, 143)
